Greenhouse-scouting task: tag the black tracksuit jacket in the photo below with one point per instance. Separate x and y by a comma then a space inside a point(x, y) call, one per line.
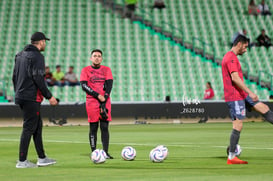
point(28, 75)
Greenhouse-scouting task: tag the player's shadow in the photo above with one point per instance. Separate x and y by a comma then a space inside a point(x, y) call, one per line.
point(220, 157)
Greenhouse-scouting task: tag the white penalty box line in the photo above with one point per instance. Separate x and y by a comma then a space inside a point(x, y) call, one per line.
point(190, 145)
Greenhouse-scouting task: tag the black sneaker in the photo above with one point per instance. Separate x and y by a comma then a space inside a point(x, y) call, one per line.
point(109, 156)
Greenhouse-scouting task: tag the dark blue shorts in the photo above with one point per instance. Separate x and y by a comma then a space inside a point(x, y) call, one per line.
point(237, 109)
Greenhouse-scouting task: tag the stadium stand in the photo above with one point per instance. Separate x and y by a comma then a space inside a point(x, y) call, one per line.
point(146, 65)
point(211, 22)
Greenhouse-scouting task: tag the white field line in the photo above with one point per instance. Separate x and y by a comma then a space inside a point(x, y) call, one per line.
point(190, 145)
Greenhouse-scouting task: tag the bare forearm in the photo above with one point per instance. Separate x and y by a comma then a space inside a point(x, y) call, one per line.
point(239, 83)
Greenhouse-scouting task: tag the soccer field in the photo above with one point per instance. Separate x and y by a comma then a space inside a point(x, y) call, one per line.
point(196, 152)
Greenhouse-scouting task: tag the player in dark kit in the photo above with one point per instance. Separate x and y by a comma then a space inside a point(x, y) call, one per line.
point(97, 80)
point(238, 96)
point(30, 88)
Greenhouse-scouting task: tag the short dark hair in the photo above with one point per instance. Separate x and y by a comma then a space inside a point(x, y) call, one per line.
point(240, 38)
point(209, 84)
point(96, 50)
point(58, 66)
point(71, 66)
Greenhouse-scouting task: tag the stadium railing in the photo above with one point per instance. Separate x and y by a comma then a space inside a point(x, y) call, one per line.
point(167, 29)
point(202, 49)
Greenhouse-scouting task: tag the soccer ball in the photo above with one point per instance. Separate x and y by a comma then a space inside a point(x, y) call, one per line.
point(104, 154)
point(128, 153)
point(164, 149)
point(157, 155)
point(98, 156)
point(238, 150)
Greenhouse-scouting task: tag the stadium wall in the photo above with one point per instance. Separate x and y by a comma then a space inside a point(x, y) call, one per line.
point(157, 110)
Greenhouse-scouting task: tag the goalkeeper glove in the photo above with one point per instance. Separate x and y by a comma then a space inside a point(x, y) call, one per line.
point(103, 111)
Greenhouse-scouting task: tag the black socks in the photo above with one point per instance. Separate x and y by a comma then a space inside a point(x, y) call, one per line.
point(234, 139)
point(268, 116)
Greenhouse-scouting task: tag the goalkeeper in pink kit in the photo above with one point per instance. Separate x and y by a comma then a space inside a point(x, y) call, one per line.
point(97, 80)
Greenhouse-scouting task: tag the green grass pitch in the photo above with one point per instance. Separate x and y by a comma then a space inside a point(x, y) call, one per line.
point(196, 152)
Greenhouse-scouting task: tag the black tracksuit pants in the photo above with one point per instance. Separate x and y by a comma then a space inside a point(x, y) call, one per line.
point(32, 126)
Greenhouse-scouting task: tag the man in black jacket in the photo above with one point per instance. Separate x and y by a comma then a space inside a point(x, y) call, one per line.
point(264, 40)
point(30, 88)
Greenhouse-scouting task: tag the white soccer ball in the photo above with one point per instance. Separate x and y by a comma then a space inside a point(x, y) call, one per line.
point(238, 150)
point(98, 156)
point(104, 154)
point(164, 149)
point(157, 155)
point(128, 153)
